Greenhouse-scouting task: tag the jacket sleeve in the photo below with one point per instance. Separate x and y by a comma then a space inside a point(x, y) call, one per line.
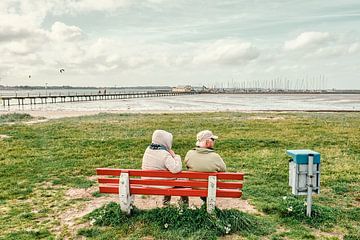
point(186, 159)
point(173, 164)
point(221, 165)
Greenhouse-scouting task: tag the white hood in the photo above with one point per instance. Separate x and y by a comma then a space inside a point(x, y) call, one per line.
point(163, 138)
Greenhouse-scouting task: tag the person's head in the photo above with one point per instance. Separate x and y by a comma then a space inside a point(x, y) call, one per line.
point(205, 139)
point(162, 137)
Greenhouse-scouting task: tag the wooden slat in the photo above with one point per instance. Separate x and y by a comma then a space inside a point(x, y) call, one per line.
point(233, 185)
point(158, 182)
point(167, 174)
point(171, 191)
point(230, 176)
point(168, 182)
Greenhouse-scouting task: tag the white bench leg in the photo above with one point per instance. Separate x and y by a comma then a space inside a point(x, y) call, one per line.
point(124, 193)
point(211, 196)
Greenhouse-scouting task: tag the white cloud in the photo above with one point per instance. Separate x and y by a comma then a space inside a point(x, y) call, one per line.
point(33, 13)
point(95, 5)
point(320, 45)
point(24, 13)
point(19, 41)
point(308, 40)
point(226, 51)
point(354, 48)
point(63, 32)
point(9, 33)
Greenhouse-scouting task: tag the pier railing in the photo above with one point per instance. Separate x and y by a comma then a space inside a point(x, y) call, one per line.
point(75, 97)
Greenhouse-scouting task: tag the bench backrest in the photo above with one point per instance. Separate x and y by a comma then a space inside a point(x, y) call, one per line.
point(191, 183)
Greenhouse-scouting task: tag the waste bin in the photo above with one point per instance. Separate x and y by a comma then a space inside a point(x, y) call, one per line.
point(299, 169)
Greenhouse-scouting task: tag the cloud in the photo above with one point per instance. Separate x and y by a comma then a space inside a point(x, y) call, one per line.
point(24, 13)
point(63, 32)
point(10, 33)
point(226, 52)
point(354, 48)
point(19, 41)
point(95, 5)
point(308, 40)
point(320, 45)
point(34, 12)
point(179, 44)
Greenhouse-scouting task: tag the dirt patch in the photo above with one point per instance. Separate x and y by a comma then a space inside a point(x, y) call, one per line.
point(320, 234)
point(93, 178)
point(271, 118)
point(77, 193)
point(70, 219)
point(149, 202)
point(3, 136)
point(35, 121)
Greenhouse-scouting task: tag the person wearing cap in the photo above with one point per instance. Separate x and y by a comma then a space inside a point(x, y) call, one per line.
point(203, 157)
point(160, 156)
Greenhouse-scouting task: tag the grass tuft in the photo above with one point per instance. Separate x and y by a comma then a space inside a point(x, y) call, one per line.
point(15, 117)
point(183, 221)
point(89, 232)
point(295, 208)
point(28, 235)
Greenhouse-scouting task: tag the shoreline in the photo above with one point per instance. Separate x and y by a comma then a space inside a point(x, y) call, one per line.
point(58, 114)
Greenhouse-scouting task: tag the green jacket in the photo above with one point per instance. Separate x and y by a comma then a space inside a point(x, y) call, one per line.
point(204, 160)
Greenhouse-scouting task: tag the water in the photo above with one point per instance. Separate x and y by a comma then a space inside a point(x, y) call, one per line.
point(204, 102)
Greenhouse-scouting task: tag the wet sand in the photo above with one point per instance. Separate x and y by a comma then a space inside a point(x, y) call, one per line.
point(196, 103)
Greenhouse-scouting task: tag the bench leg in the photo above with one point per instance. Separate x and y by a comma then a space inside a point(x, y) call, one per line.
point(211, 197)
point(124, 193)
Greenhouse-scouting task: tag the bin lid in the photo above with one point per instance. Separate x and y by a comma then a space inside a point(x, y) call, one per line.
point(301, 156)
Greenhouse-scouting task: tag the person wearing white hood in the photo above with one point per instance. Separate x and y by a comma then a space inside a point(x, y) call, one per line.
point(160, 156)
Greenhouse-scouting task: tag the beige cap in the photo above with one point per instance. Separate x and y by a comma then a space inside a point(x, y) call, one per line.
point(203, 135)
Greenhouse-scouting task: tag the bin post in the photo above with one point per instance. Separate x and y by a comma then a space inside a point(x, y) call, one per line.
point(310, 176)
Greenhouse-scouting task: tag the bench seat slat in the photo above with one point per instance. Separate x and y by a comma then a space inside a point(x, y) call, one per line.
point(114, 189)
point(167, 182)
point(159, 173)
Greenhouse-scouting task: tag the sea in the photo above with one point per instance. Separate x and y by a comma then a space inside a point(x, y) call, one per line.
point(192, 103)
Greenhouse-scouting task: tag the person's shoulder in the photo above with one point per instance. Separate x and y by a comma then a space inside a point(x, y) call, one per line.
point(215, 154)
point(191, 151)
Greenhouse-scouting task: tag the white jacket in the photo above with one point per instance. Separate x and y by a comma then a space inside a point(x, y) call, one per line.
point(161, 159)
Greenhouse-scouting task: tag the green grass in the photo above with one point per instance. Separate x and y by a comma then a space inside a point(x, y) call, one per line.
point(40, 162)
point(179, 222)
point(15, 117)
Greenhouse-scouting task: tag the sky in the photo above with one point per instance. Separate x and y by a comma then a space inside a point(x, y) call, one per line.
point(222, 43)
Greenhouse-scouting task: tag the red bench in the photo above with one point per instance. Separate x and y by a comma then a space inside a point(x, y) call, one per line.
point(131, 184)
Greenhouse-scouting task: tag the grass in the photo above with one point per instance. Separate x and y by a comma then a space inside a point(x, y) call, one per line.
point(15, 117)
point(179, 222)
point(40, 162)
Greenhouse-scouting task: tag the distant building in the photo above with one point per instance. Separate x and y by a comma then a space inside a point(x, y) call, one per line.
point(186, 88)
point(201, 89)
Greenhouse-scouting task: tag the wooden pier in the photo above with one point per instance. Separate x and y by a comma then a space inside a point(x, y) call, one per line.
point(32, 100)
